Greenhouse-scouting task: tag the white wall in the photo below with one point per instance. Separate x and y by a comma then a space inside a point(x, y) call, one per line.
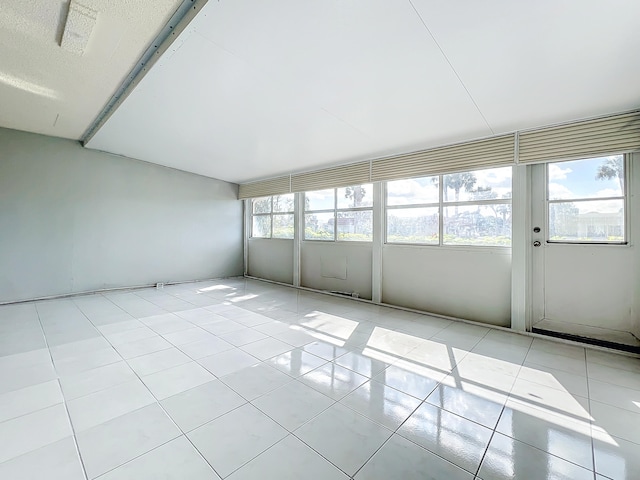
point(74, 220)
point(469, 283)
point(322, 262)
point(271, 259)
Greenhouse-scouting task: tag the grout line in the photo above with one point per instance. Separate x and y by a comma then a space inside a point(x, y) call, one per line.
point(64, 401)
point(591, 419)
point(451, 66)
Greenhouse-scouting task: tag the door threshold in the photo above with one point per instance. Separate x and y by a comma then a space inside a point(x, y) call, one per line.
point(591, 341)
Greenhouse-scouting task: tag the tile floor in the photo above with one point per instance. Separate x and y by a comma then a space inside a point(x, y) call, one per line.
point(242, 379)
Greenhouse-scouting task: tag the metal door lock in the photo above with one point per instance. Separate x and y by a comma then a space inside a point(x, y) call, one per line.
point(537, 243)
point(536, 229)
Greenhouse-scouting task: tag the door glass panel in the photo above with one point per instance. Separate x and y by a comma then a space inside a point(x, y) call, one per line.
point(592, 178)
point(587, 221)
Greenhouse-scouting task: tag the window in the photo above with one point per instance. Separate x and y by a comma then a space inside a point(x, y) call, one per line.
point(468, 208)
point(343, 214)
point(586, 200)
point(272, 217)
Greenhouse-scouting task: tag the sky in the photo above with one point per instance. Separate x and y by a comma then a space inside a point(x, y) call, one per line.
point(577, 180)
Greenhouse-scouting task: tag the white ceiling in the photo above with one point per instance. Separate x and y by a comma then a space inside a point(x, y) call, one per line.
point(47, 89)
point(253, 89)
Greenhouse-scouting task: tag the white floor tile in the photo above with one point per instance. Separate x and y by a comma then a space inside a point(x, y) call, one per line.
point(549, 431)
point(325, 350)
point(344, 437)
point(615, 376)
point(616, 421)
point(204, 348)
point(267, 348)
point(105, 405)
point(224, 363)
point(56, 461)
point(29, 399)
point(342, 375)
point(35, 430)
point(293, 404)
point(474, 407)
point(230, 441)
point(16, 378)
point(175, 460)
point(401, 459)
point(197, 406)
point(381, 403)
point(222, 327)
point(182, 337)
point(449, 436)
point(109, 445)
point(510, 459)
point(301, 462)
point(142, 347)
point(577, 366)
point(177, 379)
point(296, 362)
point(616, 458)
point(415, 380)
point(86, 361)
point(243, 337)
point(252, 382)
point(611, 394)
point(158, 361)
point(333, 380)
point(362, 364)
point(554, 378)
point(91, 381)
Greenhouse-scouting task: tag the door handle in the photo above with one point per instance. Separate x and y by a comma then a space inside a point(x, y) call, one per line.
point(537, 243)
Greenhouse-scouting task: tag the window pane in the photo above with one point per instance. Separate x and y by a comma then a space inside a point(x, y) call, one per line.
point(478, 225)
point(587, 221)
point(485, 184)
point(591, 178)
point(261, 226)
point(318, 226)
point(413, 191)
point(412, 225)
point(320, 200)
point(355, 226)
point(355, 196)
point(283, 203)
point(283, 226)
point(262, 205)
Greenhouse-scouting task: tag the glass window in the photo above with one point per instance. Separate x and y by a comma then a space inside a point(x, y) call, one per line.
point(586, 200)
point(464, 208)
point(342, 214)
point(272, 217)
point(413, 225)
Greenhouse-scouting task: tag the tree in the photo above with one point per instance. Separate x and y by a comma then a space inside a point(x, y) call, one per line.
point(610, 168)
point(456, 182)
point(356, 193)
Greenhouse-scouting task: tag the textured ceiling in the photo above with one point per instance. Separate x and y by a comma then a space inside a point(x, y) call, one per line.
point(47, 89)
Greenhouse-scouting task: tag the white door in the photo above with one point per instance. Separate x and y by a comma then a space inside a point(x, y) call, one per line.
point(584, 277)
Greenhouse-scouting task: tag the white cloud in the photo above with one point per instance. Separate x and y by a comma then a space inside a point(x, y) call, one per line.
point(557, 191)
point(608, 192)
point(494, 176)
point(558, 173)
